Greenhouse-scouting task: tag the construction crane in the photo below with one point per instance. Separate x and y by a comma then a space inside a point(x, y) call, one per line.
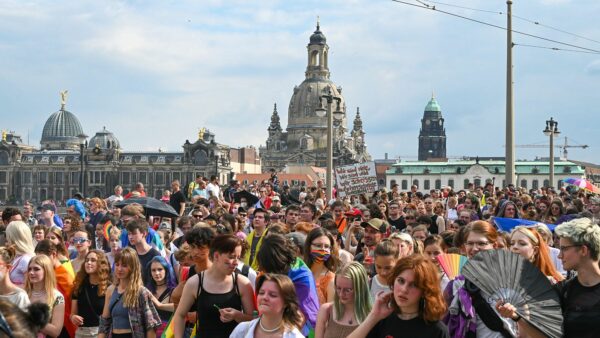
point(563, 146)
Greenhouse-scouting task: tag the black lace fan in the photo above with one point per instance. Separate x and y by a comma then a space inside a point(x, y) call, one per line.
point(504, 275)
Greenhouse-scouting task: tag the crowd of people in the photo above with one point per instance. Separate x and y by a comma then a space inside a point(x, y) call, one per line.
point(270, 262)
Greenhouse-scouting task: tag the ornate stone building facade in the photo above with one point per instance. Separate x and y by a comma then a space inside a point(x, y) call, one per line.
point(304, 142)
point(53, 171)
point(432, 136)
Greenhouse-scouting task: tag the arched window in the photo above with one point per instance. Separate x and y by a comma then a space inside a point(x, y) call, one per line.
point(466, 183)
point(524, 184)
point(438, 184)
point(535, 184)
point(404, 184)
point(546, 183)
point(477, 182)
point(426, 185)
point(451, 183)
point(416, 182)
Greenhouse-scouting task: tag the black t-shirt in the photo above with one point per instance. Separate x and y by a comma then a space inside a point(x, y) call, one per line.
point(581, 309)
point(392, 326)
point(144, 260)
point(399, 224)
point(176, 199)
point(90, 312)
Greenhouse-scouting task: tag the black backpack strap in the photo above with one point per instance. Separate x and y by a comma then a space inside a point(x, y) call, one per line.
point(235, 284)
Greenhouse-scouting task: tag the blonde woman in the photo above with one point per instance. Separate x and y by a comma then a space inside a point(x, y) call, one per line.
point(40, 286)
point(19, 236)
point(128, 309)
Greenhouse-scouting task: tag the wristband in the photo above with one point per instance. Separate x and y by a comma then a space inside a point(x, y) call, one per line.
point(517, 319)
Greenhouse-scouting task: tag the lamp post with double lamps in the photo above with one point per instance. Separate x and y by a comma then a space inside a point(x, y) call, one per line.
point(551, 131)
point(338, 115)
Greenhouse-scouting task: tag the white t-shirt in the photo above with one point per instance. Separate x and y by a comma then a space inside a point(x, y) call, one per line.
point(213, 190)
point(377, 287)
point(18, 297)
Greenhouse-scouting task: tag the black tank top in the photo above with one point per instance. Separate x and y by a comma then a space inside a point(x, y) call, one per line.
point(208, 318)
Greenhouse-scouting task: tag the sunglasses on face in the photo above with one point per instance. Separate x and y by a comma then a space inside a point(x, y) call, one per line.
point(78, 240)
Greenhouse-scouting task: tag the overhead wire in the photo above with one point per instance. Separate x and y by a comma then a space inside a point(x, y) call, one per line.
point(535, 22)
point(554, 48)
point(433, 8)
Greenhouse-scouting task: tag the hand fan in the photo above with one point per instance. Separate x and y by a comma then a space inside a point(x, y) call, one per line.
point(451, 264)
point(504, 275)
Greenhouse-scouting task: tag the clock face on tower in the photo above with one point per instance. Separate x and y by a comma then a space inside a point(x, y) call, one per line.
point(427, 122)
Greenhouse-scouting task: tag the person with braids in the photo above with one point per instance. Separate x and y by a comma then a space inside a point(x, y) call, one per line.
point(17, 322)
point(413, 308)
point(89, 292)
point(128, 311)
point(351, 304)
point(278, 308)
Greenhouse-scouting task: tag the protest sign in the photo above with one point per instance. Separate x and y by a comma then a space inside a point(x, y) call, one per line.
point(356, 179)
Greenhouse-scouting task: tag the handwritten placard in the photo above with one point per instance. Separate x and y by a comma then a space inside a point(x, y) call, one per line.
point(356, 179)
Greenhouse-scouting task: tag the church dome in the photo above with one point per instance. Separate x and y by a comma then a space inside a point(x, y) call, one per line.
point(61, 131)
point(306, 99)
point(318, 38)
point(104, 139)
point(433, 106)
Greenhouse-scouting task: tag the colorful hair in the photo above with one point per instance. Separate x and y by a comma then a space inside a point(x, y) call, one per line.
point(291, 312)
point(542, 260)
point(19, 234)
point(129, 258)
point(49, 278)
point(79, 208)
point(103, 273)
point(360, 284)
point(433, 306)
point(169, 274)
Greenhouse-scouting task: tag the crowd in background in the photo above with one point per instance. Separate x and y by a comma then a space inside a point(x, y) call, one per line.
point(265, 261)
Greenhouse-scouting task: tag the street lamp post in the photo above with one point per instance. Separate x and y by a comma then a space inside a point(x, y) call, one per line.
point(82, 144)
point(551, 131)
point(338, 114)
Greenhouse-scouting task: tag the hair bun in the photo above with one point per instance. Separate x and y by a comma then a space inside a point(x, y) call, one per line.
point(38, 315)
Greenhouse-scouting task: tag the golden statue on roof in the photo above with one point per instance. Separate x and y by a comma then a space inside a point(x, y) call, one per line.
point(63, 99)
point(201, 133)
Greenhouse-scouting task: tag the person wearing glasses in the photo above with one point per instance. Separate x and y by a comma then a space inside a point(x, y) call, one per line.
point(580, 296)
point(320, 254)
point(465, 303)
point(82, 243)
point(351, 303)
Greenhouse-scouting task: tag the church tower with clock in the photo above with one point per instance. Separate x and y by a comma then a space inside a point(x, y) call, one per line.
point(432, 136)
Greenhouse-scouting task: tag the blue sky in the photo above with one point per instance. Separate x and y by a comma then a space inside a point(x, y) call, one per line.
point(155, 72)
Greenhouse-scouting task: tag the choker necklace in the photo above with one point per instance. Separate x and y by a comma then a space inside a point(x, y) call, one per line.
point(165, 283)
point(271, 330)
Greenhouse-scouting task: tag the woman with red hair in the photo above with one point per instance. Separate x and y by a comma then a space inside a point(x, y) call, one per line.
point(413, 308)
point(530, 245)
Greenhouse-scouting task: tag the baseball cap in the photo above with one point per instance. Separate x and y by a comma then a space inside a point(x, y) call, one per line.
point(353, 213)
point(47, 206)
point(275, 198)
point(376, 224)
